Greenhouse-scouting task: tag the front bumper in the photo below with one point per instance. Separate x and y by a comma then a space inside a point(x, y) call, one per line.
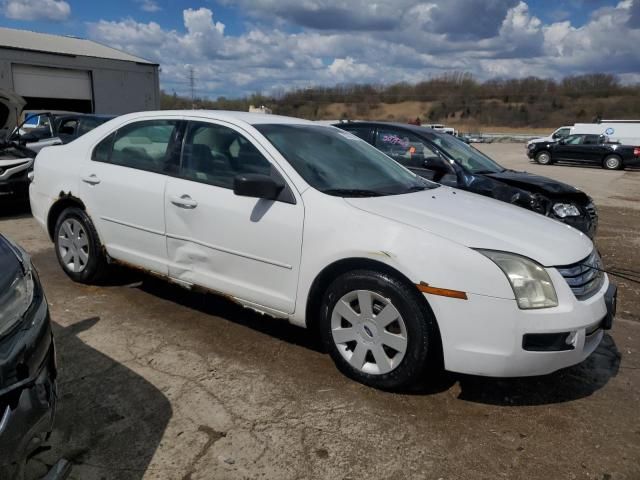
point(14, 180)
point(27, 387)
point(485, 335)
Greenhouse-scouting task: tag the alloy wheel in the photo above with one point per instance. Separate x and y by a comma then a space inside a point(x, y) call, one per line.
point(369, 332)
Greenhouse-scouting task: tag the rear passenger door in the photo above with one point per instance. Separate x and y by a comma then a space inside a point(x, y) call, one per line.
point(123, 189)
point(245, 247)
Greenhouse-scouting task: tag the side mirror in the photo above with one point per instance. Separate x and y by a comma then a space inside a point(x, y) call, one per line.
point(562, 141)
point(257, 186)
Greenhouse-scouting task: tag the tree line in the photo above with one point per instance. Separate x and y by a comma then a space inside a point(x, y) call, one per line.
point(454, 98)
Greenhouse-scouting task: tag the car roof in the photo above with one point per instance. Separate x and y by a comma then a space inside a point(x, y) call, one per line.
point(84, 115)
point(407, 126)
point(246, 117)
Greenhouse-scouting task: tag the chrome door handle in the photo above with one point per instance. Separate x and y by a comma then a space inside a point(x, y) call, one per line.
point(91, 179)
point(183, 201)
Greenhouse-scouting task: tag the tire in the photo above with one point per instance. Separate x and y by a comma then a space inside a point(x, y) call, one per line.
point(78, 247)
point(390, 357)
point(544, 158)
point(612, 162)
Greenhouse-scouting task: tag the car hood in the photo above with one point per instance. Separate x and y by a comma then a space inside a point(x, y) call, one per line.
point(535, 183)
point(11, 106)
point(480, 222)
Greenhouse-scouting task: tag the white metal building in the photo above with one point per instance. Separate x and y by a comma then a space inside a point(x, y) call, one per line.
point(54, 72)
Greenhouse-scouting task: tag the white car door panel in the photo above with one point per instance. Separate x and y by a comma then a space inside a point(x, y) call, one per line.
point(125, 197)
point(248, 248)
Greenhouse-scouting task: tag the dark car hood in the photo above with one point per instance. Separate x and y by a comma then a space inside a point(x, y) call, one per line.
point(534, 183)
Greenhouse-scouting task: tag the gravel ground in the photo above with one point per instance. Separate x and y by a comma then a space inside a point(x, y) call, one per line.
point(160, 383)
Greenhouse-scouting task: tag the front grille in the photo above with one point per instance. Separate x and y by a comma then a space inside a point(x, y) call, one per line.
point(585, 277)
point(593, 214)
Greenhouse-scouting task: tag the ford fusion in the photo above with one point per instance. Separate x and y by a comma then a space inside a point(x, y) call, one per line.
point(313, 224)
point(27, 365)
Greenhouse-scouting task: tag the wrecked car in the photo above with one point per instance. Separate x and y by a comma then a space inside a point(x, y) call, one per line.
point(450, 161)
point(309, 223)
point(15, 159)
point(27, 362)
point(19, 146)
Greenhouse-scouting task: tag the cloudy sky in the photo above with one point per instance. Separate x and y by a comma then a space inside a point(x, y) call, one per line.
point(243, 46)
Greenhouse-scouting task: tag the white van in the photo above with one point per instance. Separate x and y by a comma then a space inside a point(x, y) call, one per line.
point(627, 132)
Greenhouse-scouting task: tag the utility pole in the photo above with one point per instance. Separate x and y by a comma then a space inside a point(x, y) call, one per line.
point(192, 84)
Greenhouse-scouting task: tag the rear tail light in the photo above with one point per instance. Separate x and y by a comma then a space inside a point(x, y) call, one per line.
point(636, 152)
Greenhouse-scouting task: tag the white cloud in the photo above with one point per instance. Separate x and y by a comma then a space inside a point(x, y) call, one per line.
point(149, 6)
point(268, 56)
point(29, 10)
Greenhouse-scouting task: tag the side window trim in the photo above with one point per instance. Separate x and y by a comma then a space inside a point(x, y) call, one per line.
point(286, 195)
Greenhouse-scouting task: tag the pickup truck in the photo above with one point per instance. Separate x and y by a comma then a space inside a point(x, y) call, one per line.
point(587, 149)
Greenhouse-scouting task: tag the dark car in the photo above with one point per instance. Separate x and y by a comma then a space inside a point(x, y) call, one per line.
point(27, 362)
point(587, 149)
point(66, 127)
point(448, 160)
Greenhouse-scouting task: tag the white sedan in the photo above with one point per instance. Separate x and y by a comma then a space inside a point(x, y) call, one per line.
point(309, 223)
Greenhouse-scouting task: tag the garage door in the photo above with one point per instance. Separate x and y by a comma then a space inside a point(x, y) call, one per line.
point(44, 82)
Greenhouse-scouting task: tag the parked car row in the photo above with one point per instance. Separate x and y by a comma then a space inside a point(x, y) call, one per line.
point(400, 275)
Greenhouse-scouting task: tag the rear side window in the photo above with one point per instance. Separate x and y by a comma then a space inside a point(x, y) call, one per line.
point(215, 154)
point(141, 145)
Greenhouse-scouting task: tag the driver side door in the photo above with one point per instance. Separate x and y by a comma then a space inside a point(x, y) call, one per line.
point(248, 248)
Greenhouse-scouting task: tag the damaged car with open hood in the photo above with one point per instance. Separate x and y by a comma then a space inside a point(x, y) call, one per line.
point(448, 160)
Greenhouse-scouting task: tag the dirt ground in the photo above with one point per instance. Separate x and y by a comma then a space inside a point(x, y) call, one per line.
point(160, 383)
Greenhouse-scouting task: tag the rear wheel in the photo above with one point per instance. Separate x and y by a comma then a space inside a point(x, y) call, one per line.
point(543, 158)
point(377, 329)
point(78, 246)
point(612, 162)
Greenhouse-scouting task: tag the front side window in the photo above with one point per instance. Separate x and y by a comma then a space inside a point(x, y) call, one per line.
point(143, 145)
point(339, 163)
point(215, 154)
point(404, 147)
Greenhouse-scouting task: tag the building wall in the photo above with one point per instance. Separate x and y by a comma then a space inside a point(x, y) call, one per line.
point(118, 86)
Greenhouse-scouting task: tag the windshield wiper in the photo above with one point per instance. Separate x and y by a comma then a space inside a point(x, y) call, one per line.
point(352, 192)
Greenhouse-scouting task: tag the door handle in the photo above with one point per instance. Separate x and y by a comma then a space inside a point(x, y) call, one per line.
point(183, 201)
point(91, 179)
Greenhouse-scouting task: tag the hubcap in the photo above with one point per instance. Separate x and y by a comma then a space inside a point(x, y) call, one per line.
point(369, 332)
point(543, 158)
point(73, 245)
point(612, 163)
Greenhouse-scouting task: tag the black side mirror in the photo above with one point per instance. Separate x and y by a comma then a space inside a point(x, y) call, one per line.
point(436, 163)
point(257, 186)
point(562, 141)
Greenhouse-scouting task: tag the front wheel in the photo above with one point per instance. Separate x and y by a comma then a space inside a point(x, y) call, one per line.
point(543, 158)
point(612, 162)
point(378, 330)
point(78, 246)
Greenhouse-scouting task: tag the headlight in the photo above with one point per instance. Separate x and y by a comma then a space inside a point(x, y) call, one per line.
point(563, 210)
point(531, 146)
point(15, 301)
point(530, 281)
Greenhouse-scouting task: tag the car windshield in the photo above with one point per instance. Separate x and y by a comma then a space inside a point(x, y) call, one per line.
point(339, 163)
point(470, 158)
